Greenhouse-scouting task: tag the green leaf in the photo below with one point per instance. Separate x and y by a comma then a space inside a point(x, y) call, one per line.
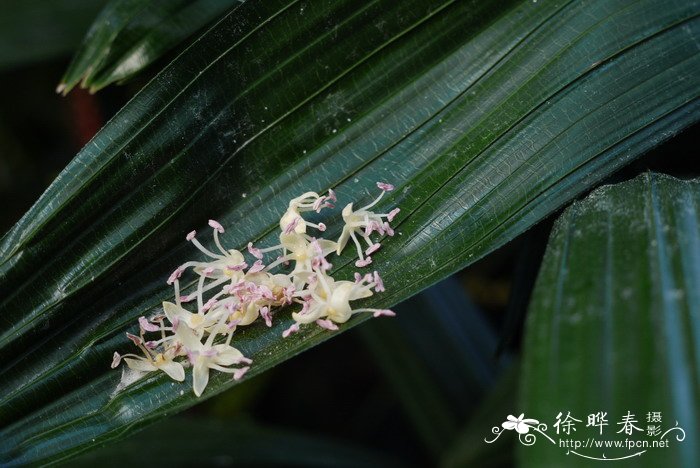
point(469, 447)
point(186, 442)
point(439, 357)
point(614, 322)
point(42, 29)
point(129, 35)
point(487, 116)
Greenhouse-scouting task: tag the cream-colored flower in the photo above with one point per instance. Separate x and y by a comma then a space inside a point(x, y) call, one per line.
point(206, 356)
point(331, 299)
point(292, 221)
point(362, 223)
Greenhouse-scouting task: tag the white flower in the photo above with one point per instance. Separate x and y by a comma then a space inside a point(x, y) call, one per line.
point(230, 292)
point(209, 356)
point(228, 264)
point(363, 222)
point(152, 362)
point(302, 251)
point(197, 322)
point(292, 221)
point(331, 300)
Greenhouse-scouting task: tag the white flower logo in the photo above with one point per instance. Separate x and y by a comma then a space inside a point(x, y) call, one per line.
point(521, 425)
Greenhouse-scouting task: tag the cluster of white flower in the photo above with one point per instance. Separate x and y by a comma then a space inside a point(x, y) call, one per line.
point(231, 293)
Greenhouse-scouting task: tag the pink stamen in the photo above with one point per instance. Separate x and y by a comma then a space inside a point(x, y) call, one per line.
point(327, 324)
point(211, 302)
point(116, 359)
point(239, 373)
point(378, 227)
point(191, 235)
point(373, 248)
point(388, 229)
point(265, 292)
point(151, 344)
point(321, 263)
point(393, 213)
point(317, 204)
point(176, 323)
point(208, 271)
point(238, 267)
point(331, 195)
point(385, 187)
point(147, 326)
point(358, 277)
point(379, 284)
point(232, 324)
point(216, 225)
point(291, 227)
point(134, 339)
point(321, 227)
point(265, 312)
point(186, 298)
point(254, 251)
point(293, 329)
point(373, 226)
point(305, 307)
point(257, 266)
point(384, 312)
point(363, 263)
point(175, 275)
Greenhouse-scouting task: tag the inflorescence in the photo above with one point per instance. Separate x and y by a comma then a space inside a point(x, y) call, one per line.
point(231, 292)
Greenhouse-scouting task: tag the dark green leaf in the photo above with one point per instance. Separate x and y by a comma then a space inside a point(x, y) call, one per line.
point(469, 448)
point(129, 35)
point(187, 442)
point(486, 115)
point(614, 321)
point(439, 356)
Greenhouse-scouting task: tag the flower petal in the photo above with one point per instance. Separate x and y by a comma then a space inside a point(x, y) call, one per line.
point(342, 240)
point(227, 355)
point(314, 313)
point(200, 377)
point(174, 370)
point(140, 364)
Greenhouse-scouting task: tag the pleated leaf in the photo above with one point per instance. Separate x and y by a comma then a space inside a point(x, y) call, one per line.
point(614, 325)
point(129, 35)
point(439, 357)
point(186, 442)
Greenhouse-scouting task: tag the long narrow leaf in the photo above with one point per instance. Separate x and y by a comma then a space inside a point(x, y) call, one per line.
point(187, 442)
point(129, 35)
point(615, 326)
point(439, 356)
